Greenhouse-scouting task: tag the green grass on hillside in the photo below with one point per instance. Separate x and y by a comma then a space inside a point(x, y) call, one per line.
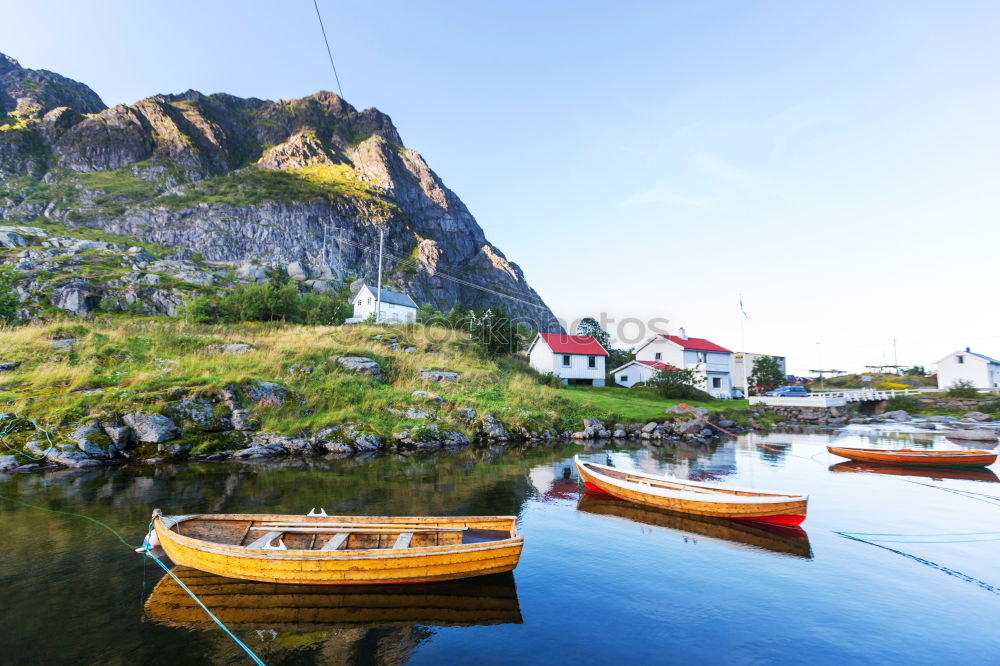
point(637, 404)
point(252, 186)
point(125, 365)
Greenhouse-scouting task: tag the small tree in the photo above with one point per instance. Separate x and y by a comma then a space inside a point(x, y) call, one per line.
point(916, 371)
point(766, 373)
point(676, 383)
point(590, 326)
point(495, 332)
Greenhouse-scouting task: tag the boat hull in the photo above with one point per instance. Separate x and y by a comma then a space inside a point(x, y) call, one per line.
point(792, 512)
point(422, 564)
point(917, 458)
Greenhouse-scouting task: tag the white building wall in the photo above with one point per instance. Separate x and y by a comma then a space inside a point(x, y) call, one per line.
point(542, 359)
point(669, 353)
point(634, 373)
point(965, 366)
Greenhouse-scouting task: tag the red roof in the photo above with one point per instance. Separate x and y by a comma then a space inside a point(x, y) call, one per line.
point(656, 365)
point(700, 344)
point(573, 344)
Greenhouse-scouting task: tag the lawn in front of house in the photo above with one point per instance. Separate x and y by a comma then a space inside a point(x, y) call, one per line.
point(637, 404)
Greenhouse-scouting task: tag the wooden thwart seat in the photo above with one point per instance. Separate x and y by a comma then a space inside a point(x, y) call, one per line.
point(403, 540)
point(336, 541)
point(264, 540)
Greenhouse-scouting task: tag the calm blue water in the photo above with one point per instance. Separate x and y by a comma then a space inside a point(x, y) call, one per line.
point(599, 582)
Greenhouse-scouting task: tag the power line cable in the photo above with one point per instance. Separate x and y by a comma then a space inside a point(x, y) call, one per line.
point(328, 51)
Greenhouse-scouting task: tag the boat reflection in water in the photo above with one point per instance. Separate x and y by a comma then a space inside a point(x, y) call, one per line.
point(958, 473)
point(280, 607)
point(782, 539)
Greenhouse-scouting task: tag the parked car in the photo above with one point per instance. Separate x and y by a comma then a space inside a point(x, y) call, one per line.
point(789, 392)
point(736, 394)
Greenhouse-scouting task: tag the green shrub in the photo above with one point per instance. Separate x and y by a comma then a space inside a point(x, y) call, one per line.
point(907, 403)
point(962, 388)
point(991, 407)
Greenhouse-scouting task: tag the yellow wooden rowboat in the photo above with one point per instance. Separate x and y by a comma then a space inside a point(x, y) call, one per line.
point(341, 550)
point(247, 604)
point(703, 499)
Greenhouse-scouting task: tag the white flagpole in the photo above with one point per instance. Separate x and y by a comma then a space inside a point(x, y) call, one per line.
point(743, 344)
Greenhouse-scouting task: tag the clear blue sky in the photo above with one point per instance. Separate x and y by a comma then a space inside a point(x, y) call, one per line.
point(837, 163)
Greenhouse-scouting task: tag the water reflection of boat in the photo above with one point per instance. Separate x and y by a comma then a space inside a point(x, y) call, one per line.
point(959, 473)
point(245, 604)
point(785, 539)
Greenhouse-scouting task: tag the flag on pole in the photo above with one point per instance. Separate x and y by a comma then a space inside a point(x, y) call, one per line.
point(742, 308)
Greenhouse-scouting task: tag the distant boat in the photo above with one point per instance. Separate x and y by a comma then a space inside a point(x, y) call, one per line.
point(783, 539)
point(245, 604)
point(341, 550)
point(958, 473)
point(695, 497)
point(973, 458)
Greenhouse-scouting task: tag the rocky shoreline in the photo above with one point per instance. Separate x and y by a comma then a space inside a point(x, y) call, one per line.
point(221, 427)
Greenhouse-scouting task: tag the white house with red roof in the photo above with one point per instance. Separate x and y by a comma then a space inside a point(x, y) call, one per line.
point(577, 359)
point(635, 372)
point(710, 362)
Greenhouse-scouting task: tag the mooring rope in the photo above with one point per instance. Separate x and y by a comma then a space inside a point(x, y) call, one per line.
point(257, 660)
point(10, 427)
point(934, 565)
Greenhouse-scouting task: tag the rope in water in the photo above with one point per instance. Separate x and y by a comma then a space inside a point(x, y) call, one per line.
point(257, 660)
point(934, 565)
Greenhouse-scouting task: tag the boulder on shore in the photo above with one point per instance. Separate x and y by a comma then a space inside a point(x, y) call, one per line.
point(977, 434)
point(152, 428)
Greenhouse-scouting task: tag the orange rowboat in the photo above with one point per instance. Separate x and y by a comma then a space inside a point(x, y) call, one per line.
point(962, 473)
point(341, 550)
point(915, 457)
point(695, 497)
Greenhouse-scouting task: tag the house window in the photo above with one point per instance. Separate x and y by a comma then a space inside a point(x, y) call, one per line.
point(591, 361)
point(716, 382)
point(701, 357)
point(566, 362)
point(657, 356)
point(961, 359)
point(622, 379)
point(369, 301)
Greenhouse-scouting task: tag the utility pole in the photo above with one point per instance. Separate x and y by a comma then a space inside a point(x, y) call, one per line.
point(895, 356)
point(378, 299)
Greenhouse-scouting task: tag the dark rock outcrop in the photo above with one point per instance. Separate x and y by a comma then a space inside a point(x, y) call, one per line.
point(307, 182)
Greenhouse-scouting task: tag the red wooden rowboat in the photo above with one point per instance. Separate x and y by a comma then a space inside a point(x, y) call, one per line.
point(702, 499)
point(914, 457)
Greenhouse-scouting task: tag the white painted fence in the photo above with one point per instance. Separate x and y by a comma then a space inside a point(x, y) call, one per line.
point(829, 398)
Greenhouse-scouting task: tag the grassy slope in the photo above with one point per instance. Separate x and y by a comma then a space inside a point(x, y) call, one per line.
point(638, 404)
point(141, 364)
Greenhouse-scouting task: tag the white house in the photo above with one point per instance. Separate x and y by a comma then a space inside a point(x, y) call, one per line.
point(981, 370)
point(396, 308)
point(737, 369)
point(709, 361)
point(634, 372)
point(577, 359)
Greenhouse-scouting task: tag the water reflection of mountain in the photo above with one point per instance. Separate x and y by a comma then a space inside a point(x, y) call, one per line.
point(964, 474)
point(777, 539)
point(244, 604)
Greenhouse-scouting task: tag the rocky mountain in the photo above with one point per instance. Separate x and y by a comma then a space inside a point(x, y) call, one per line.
point(305, 183)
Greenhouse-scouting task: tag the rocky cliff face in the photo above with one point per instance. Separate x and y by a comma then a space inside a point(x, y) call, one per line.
point(310, 181)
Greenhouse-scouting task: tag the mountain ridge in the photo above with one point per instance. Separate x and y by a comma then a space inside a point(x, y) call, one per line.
point(309, 181)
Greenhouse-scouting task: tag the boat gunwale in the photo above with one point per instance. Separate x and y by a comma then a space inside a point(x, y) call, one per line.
point(233, 550)
point(764, 496)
